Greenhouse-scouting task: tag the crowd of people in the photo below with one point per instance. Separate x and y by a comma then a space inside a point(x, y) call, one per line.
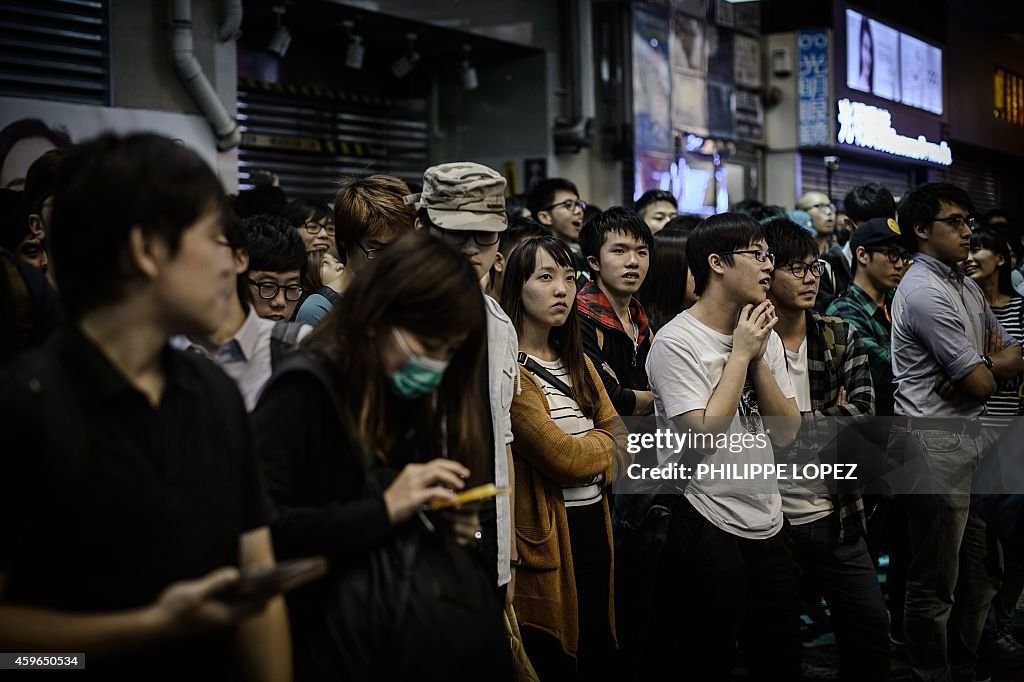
point(433, 390)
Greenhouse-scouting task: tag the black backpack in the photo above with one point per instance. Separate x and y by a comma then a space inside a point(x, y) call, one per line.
point(418, 606)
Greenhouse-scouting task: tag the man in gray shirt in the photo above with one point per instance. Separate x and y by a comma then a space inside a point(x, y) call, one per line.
point(948, 353)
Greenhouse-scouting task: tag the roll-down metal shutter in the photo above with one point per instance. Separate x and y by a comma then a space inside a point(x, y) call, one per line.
point(55, 49)
point(311, 137)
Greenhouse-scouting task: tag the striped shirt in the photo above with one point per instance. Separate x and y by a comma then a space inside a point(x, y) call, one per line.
point(1005, 401)
point(566, 413)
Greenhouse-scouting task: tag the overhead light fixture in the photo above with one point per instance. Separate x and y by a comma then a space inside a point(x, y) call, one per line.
point(467, 72)
point(404, 65)
point(282, 39)
point(356, 50)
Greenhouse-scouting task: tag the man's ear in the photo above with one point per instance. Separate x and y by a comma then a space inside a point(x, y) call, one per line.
point(544, 218)
point(716, 264)
point(35, 225)
point(922, 231)
point(594, 264)
point(862, 255)
point(241, 261)
point(499, 262)
point(418, 224)
point(146, 253)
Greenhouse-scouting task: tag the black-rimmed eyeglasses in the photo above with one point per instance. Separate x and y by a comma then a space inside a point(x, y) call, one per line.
point(569, 205)
point(268, 290)
point(759, 256)
point(894, 255)
point(459, 238)
point(314, 228)
point(800, 269)
point(958, 222)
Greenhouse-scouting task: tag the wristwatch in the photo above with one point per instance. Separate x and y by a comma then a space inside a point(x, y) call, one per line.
point(987, 360)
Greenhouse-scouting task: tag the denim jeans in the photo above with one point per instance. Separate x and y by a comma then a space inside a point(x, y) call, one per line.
point(954, 568)
point(714, 588)
point(846, 576)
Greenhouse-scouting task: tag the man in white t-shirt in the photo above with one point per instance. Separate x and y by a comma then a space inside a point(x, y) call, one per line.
point(718, 370)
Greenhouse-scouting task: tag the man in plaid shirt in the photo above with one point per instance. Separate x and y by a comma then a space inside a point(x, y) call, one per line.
point(880, 262)
point(829, 369)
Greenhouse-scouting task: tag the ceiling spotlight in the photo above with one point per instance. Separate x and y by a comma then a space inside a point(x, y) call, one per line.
point(467, 72)
point(356, 50)
point(282, 39)
point(404, 65)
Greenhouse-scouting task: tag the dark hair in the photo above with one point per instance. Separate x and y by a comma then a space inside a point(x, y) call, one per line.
point(684, 222)
point(789, 242)
point(615, 220)
point(421, 284)
point(312, 278)
point(274, 245)
point(591, 212)
point(921, 204)
point(718, 234)
point(25, 128)
point(110, 185)
point(664, 289)
point(514, 206)
point(371, 208)
point(298, 212)
point(865, 202)
point(13, 218)
point(543, 194)
point(988, 238)
point(762, 213)
point(260, 200)
point(653, 196)
point(41, 178)
point(519, 230)
point(234, 233)
point(987, 216)
point(566, 339)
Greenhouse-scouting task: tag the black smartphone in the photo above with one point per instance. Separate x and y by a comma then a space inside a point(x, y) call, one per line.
point(285, 576)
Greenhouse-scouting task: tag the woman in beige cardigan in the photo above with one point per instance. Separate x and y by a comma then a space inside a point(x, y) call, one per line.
point(565, 432)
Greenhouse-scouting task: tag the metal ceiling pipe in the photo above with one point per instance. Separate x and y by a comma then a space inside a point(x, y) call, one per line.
point(231, 27)
point(224, 126)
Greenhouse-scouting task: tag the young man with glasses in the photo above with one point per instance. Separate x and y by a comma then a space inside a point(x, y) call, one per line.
point(826, 523)
point(949, 353)
point(718, 369)
point(314, 222)
point(463, 204)
point(368, 213)
point(277, 260)
point(555, 204)
point(247, 345)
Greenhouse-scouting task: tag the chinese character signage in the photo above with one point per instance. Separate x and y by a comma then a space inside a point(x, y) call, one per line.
point(814, 110)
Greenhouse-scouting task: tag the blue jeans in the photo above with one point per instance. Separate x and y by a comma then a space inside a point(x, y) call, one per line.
point(951, 557)
point(846, 576)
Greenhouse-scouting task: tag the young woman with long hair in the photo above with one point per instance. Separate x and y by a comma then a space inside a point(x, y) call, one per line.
point(402, 353)
point(668, 288)
point(565, 429)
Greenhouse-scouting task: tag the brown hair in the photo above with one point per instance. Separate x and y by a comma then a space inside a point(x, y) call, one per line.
point(371, 208)
point(565, 340)
point(421, 284)
point(312, 279)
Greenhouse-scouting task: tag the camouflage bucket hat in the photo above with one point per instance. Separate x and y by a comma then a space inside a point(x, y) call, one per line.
point(465, 196)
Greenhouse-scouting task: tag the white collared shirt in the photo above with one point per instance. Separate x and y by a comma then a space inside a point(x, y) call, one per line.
point(245, 357)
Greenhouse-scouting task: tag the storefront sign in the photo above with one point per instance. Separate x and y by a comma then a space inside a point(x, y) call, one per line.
point(814, 102)
point(871, 127)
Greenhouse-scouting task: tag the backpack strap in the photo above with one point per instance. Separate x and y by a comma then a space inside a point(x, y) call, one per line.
point(534, 368)
point(284, 340)
point(329, 293)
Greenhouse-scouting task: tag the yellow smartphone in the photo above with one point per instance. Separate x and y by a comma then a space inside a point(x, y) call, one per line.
point(481, 492)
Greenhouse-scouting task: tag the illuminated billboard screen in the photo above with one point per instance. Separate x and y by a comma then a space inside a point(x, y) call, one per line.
point(895, 66)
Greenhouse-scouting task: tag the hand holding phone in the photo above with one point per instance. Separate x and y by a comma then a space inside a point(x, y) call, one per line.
point(268, 582)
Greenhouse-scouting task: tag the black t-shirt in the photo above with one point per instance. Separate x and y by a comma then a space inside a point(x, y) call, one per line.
point(105, 500)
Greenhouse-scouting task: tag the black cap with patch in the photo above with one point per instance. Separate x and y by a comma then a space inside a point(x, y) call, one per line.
point(875, 231)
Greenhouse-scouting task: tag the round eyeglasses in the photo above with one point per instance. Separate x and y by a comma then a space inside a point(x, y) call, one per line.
point(314, 228)
point(268, 290)
point(800, 269)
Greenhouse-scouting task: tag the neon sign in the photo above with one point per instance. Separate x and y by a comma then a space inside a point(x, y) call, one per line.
point(866, 126)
